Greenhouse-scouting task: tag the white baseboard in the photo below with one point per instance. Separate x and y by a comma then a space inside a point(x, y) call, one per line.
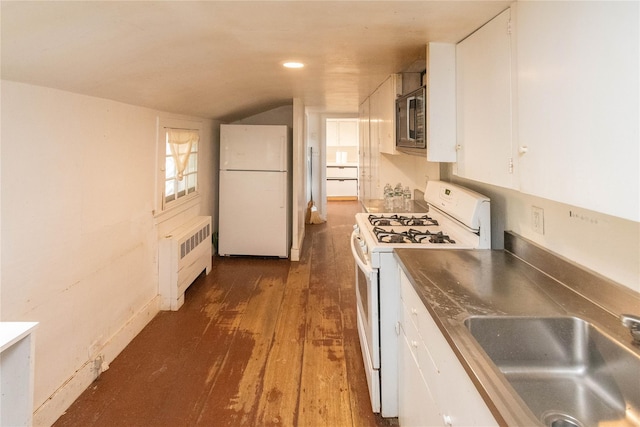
point(49, 411)
point(297, 250)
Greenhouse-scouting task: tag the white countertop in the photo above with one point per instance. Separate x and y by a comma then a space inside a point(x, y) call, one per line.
point(12, 332)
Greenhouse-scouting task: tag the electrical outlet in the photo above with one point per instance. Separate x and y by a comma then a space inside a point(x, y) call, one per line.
point(537, 219)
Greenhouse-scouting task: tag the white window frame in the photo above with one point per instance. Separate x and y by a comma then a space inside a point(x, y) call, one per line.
point(163, 123)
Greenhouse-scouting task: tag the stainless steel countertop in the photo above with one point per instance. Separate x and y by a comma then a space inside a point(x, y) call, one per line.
point(456, 284)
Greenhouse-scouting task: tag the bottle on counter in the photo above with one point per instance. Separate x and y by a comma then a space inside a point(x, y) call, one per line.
point(397, 197)
point(388, 197)
point(406, 195)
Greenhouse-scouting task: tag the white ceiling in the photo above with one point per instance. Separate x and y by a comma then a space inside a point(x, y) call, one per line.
point(222, 59)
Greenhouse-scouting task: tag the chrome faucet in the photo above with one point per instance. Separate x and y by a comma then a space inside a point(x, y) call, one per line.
point(633, 323)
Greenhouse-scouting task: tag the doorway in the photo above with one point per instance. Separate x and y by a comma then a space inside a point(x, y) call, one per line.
point(341, 154)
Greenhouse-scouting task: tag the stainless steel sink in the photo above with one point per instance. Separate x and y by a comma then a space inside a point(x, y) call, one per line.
point(566, 371)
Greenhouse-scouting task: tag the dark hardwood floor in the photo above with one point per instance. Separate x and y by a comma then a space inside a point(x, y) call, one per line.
point(258, 342)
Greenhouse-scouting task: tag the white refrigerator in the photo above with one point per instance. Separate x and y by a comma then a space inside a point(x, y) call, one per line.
point(255, 190)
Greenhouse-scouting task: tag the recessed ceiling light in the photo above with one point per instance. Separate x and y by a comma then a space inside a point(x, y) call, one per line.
point(293, 64)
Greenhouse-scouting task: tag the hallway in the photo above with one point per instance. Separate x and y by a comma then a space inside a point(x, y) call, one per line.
point(259, 342)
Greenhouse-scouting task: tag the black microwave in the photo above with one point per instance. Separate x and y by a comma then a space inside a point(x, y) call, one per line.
point(411, 123)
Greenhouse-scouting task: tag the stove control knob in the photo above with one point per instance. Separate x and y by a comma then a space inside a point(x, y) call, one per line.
point(363, 246)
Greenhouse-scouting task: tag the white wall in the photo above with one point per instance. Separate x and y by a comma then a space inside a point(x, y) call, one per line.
point(79, 236)
point(314, 137)
point(411, 171)
point(299, 202)
point(277, 116)
point(605, 244)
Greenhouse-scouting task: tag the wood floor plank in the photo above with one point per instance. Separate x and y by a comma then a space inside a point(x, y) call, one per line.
point(257, 331)
point(203, 367)
point(344, 265)
point(279, 402)
point(324, 389)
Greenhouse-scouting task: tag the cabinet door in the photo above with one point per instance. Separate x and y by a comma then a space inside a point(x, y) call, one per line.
point(374, 119)
point(342, 188)
point(484, 97)
point(578, 103)
point(457, 401)
point(364, 183)
point(347, 133)
point(386, 96)
point(416, 405)
point(342, 172)
point(456, 395)
point(332, 137)
point(441, 102)
point(373, 156)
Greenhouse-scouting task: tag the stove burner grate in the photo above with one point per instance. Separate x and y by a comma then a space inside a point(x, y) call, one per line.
point(438, 237)
point(395, 219)
point(390, 236)
point(411, 236)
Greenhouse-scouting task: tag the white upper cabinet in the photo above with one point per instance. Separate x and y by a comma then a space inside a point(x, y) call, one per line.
point(484, 99)
point(441, 102)
point(578, 104)
point(383, 113)
point(368, 158)
point(342, 132)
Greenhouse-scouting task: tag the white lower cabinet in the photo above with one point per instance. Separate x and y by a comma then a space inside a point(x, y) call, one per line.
point(434, 389)
point(417, 406)
point(342, 181)
point(17, 347)
point(342, 187)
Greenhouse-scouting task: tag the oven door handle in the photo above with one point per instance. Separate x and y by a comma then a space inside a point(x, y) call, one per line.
point(366, 268)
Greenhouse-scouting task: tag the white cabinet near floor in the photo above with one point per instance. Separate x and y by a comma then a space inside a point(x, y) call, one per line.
point(417, 407)
point(430, 371)
point(342, 181)
point(16, 373)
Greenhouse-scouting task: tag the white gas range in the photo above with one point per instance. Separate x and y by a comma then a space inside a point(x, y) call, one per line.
point(458, 218)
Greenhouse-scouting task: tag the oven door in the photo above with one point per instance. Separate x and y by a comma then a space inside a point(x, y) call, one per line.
point(368, 319)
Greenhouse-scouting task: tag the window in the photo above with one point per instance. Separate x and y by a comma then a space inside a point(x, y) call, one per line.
point(178, 161)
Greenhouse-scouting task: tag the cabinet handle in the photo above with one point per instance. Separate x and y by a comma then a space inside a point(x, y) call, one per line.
point(447, 420)
point(523, 149)
point(414, 311)
point(414, 344)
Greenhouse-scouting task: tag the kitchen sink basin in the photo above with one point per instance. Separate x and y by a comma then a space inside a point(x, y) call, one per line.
point(567, 371)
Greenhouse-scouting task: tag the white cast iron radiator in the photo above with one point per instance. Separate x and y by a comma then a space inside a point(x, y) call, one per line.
point(184, 254)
